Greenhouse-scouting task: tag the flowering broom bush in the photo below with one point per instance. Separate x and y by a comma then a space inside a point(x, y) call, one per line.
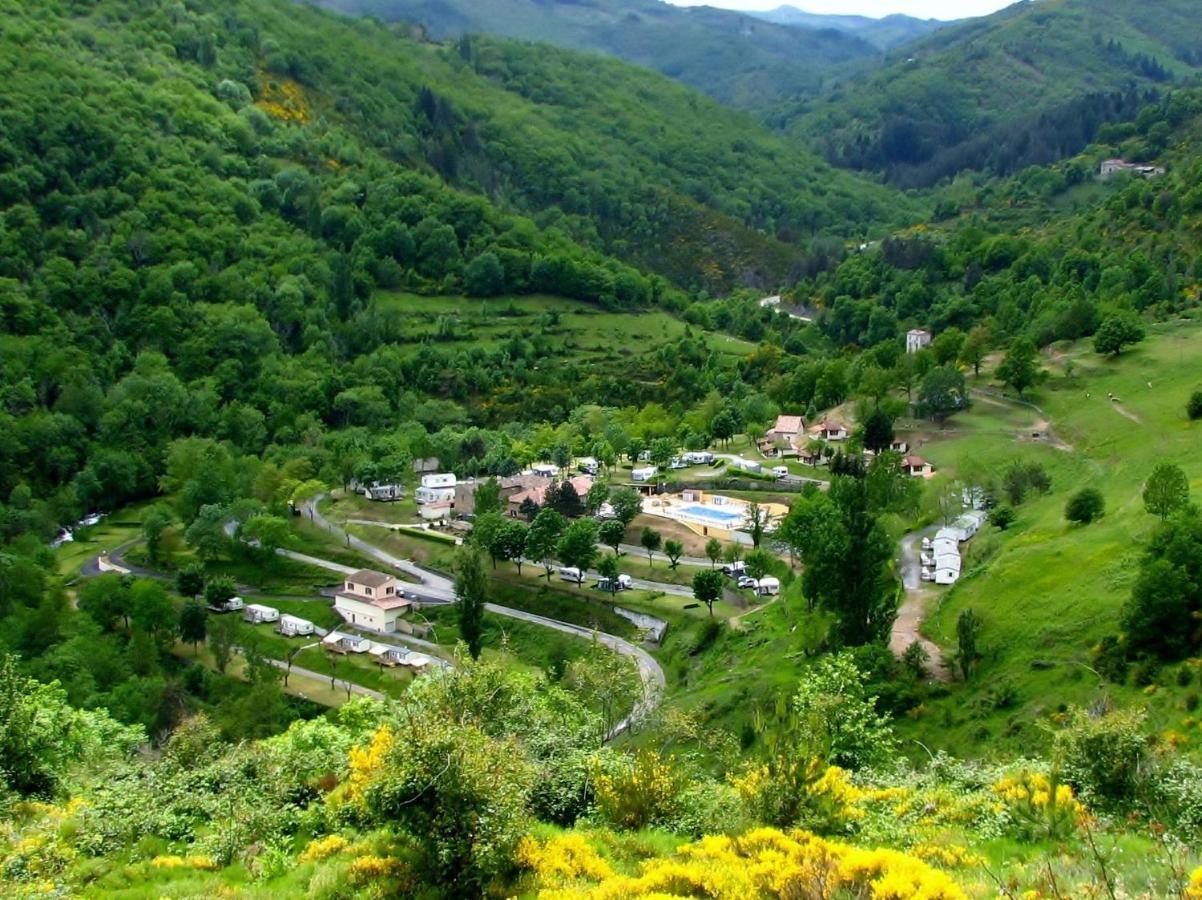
point(762, 863)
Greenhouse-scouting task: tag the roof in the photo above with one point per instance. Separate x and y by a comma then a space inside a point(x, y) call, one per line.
point(370, 578)
point(789, 424)
point(535, 495)
point(829, 424)
point(917, 331)
point(914, 461)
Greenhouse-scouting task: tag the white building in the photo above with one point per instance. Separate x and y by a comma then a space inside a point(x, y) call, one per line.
point(291, 626)
point(435, 510)
point(425, 494)
point(647, 473)
point(338, 642)
point(916, 339)
point(371, 600)
point(256, 613)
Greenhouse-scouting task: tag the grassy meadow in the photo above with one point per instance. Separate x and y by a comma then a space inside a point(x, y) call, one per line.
point(1047, 590)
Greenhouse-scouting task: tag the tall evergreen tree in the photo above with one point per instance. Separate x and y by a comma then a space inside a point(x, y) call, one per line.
point(471, 593)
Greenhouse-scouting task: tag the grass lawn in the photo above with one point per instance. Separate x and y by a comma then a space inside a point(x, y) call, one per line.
point(528, 644)
point(314, 690)
point(1049, 591)
point(110, 533)
point(407, 545)
point(272, 575)
point(338, 508)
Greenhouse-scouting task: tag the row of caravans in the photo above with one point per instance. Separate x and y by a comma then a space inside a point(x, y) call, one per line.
point(258, 614)
point(940, 556)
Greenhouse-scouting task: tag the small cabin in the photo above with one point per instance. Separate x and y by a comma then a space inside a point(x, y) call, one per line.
point(338, 642)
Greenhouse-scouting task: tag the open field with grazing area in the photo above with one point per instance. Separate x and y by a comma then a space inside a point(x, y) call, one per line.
point(1049, 591)
point(591, 336)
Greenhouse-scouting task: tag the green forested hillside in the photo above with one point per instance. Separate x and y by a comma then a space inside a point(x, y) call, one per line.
point(600, 151)
point(1027, 85)
point(740, 60)
point(253, 255)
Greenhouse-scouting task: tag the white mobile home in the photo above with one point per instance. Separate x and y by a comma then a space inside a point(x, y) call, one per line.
point(293, 626)
point(698, 458)
point(747, 465)
point(768, 586)
point(338, 642)
point(621, 583)
point(233, 604)
point(949, 533)
point(426, 494)
point(389, 656)
point(256, 613)
point(588, 465)
point(572, 574)
point(545, 470)
point(385, 493)
point(947, 576)
point(647, 473)
point(439, 480)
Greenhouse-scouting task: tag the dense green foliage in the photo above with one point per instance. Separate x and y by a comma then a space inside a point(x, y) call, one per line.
point(1027, 85)
point(737, 59)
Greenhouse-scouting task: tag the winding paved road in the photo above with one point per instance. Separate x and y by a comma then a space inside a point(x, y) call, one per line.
point(442, 589)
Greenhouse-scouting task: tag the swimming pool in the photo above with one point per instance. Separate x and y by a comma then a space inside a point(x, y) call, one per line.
point(711, 515)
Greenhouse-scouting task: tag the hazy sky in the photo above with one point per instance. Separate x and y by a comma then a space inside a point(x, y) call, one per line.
point(924, 9)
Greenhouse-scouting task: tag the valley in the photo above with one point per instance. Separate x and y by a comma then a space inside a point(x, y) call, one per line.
point(607, 449)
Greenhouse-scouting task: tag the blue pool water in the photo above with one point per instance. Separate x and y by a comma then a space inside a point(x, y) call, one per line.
point(710, 514)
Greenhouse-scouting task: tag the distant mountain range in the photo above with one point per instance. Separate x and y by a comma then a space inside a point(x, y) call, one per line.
point(1027, 85)
point(741, 60)
point(884, 33)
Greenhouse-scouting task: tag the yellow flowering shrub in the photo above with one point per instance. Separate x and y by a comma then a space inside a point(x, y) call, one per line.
point(32, 847)
point(1040, 805)
point(1193, 891)
point(632, 791)
point(203, 863)
point(563, 858)
point(372, 868)
point(793, 792)
point(367, 762)
point(282, 99)
point(766, 863)
point(949, 856)
point(322, 848)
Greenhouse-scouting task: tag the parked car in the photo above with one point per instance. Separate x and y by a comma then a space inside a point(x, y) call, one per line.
point(746, 581)
point(781, 471)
